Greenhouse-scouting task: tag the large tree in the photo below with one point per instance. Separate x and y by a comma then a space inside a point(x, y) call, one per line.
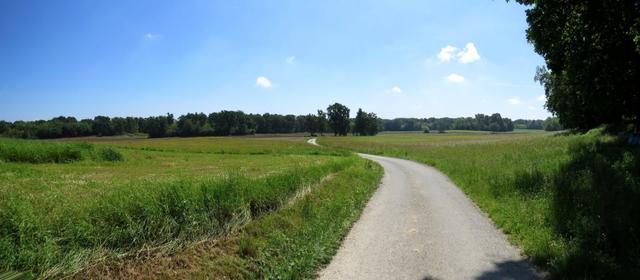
point(321, 122)
point(365, 123)
point(592, 55)
point(338, 119)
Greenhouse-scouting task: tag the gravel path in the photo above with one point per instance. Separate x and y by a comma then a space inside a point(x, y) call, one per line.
point(419, 225)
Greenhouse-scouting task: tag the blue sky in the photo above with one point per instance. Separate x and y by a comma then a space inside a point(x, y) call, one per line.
point(141, 58)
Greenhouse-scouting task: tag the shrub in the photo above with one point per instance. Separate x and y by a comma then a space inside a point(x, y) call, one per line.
point(110, 154)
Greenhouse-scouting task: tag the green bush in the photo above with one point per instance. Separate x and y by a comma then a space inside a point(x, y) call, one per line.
point(110, 154)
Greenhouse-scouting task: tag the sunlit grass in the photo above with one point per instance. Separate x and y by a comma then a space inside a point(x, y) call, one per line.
point(57, 218)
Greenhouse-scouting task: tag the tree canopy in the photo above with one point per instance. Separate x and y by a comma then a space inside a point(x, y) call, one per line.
point(339, 119)
point(221, 123)
point(366, 124)
point(592, 55)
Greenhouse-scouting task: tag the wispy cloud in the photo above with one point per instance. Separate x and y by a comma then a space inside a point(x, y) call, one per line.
point(542, 98)
point(152, 36)
point(514, 101)
point(455, 78)
point(396, 89)
point(290, 59)
point(263, 82)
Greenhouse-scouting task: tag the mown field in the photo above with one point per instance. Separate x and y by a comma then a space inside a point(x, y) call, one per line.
point(176, 207)
point(571, 202)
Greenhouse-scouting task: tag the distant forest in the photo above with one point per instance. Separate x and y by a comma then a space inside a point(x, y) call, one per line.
point(335, 120)
point(480, 122)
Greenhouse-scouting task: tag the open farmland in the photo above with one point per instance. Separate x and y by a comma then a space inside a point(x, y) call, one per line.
point(569, 202)
point(166, 195)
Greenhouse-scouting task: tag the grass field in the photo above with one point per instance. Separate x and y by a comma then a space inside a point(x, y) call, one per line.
point(167, 197)
point(569, 201)
point(276, 207)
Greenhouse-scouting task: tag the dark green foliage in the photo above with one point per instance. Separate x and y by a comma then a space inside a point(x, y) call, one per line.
point(55, 128)
point(596, 206)
point(194, 125)
point(552, 124)
point(102, 126)
point(338, 119)
point(223, 123)
point(157, 127)
point(227, 123)
point(4, 126)
point(480, 122)
point(365, 124)
point(110, 154)
point(528, 124)
point(124, 125)
point(592, 55)
point(315, 123)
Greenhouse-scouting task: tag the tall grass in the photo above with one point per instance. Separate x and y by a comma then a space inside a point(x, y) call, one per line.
point(39, 151)
point(56, 237)
point(292, 242)
point(33, 151)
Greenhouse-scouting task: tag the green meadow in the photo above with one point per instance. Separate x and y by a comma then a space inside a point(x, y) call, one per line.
point(277, 207)
point(84, 208)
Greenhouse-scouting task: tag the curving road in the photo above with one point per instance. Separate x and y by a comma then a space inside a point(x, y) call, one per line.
point(419, 225)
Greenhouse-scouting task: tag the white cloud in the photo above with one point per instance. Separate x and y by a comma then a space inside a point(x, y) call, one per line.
point(514, 101)
point(455, 78)
point(542, 98)
point(263, 82)
point(396, 89)
point(447, 53)
point(152, 36)
point(290, 59)
point(469, 54)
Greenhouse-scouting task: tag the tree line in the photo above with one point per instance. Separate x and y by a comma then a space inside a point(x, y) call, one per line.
point(224, 123)
point(336, 119)
point(494, 122)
